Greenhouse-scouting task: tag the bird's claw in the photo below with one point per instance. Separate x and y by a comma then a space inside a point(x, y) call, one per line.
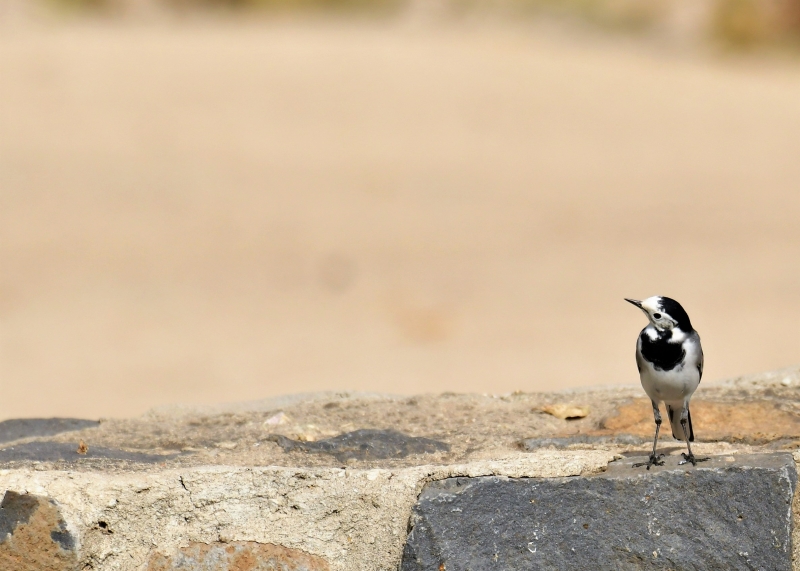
point(690, 459)
point(652, 461)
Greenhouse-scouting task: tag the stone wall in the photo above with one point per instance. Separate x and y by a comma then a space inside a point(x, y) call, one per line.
point(346, 482)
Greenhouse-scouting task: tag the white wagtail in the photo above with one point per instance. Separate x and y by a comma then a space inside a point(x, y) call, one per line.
point(670, 362)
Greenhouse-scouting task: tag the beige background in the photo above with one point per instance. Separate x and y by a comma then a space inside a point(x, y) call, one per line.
point(207, 211)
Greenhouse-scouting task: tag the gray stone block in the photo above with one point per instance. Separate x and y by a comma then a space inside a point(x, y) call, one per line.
point(16, 428)
point(34, 535)
point(365, 444)
point(728, 513)
point(67, 452)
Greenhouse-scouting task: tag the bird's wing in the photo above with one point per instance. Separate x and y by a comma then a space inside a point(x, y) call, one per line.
point(639, 358)
point(639, 361)
point(700, 362)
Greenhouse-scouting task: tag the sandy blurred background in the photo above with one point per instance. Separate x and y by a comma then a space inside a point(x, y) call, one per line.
point(202, 205)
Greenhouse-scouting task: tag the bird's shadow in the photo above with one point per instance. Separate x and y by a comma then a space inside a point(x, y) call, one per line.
point(646, 452)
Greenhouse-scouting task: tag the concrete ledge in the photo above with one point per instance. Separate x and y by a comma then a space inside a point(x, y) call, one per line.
point(352, 519)
point(330, 483)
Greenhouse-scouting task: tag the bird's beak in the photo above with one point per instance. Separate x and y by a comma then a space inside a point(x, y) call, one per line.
point(635, 302)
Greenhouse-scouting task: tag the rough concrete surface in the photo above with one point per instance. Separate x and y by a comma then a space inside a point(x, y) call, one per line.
point(762, 411)
point(332, 479)
point(729, 513)
point(353, 519)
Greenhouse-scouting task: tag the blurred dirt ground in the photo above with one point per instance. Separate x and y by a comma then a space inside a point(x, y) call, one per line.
point(200, 211)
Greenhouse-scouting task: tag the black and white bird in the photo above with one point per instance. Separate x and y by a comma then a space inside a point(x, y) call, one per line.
point(670, 361)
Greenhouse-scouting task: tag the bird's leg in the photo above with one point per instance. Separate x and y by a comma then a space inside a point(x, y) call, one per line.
point(654, 460)
point(688, 458)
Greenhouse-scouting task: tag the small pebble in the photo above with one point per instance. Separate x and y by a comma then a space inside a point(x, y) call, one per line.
point(280, 418)
point(566, 411)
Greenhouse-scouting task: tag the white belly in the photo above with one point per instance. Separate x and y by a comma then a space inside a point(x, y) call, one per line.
point(675, 386)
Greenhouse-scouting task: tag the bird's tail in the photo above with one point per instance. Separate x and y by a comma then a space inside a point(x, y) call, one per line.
point(674, 414)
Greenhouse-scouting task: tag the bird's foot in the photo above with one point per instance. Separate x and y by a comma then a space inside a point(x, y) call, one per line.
point(690, 459)
point(652, 461)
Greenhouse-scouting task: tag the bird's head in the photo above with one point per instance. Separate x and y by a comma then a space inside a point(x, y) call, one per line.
point(664, 313)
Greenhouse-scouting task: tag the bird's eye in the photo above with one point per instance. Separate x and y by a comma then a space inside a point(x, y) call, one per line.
point(657, 315)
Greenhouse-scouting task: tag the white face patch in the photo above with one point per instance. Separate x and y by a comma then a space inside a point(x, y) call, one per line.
point(652, 306)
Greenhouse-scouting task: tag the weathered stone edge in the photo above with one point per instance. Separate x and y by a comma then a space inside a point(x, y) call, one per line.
point(354, 519)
